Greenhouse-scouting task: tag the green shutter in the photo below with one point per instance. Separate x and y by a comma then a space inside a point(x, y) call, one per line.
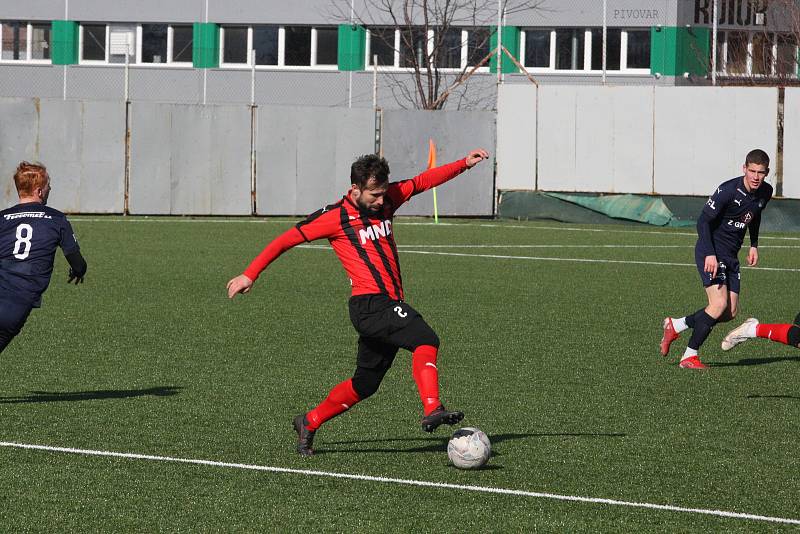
point(676, 50)
point(510, 40)
point(694, 50)
point(205, 45)
point(352, 47)
point(64, 42)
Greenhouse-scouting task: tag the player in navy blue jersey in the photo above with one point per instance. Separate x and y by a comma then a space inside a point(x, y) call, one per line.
point(30, 232)
point(731, 210)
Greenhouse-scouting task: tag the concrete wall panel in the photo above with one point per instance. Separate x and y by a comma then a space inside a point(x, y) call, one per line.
point(188, 160)
point(703, 134)
point(19, 140)
point(516, 137)
point(791, 142)
point(405, 146)
point(595, 139)
point(304, 156)
point(81, 143)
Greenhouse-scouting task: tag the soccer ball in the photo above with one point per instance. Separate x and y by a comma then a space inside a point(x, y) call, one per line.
point(469, 448)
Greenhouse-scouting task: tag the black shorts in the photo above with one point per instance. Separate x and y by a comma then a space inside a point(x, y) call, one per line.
point(384, 326)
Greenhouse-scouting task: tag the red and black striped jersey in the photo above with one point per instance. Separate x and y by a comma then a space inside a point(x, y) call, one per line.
point(363, 242)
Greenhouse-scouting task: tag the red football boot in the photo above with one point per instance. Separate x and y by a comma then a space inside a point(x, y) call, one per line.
point(692, 362)
point(669, 336)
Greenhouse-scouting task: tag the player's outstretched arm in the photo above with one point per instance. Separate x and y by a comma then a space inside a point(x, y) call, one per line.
point(439, 175)
point(276, 247)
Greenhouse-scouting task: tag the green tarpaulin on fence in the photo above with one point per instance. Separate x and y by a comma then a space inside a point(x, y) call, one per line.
point(782, 214)
point(650, 210)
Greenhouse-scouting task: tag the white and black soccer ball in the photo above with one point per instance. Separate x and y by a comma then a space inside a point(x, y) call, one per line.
point(469, 448)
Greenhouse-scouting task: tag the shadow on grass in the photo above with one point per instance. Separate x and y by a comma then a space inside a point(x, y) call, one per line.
point(756, 361)
point(772, 397)
point(68, 396)
point(439, 444)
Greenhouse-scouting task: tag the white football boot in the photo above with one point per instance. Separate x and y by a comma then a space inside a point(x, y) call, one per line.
point(741, 333)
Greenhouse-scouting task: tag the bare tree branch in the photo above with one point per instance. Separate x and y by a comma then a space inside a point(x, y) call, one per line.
point(430, 42)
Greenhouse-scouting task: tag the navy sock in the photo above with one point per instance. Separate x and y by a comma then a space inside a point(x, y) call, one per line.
point(793, 336)
point(703, 323)
point(690, 319)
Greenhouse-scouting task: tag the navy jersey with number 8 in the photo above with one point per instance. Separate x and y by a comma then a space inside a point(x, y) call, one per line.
point(30, 233)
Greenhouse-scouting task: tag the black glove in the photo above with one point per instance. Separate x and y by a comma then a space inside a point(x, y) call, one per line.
point(74, 276)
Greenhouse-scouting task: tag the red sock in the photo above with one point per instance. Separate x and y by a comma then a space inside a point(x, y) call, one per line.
point(423, 368)
point(774, 332)
point(341, 398)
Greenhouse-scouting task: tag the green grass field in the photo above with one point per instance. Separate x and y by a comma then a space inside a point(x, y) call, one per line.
point(557, 361)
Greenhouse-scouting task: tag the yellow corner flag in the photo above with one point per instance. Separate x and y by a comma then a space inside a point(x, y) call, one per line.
point(431, 165)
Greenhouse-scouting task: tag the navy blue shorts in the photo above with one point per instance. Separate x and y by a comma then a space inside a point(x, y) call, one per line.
point(12, 318)
point(728, 272)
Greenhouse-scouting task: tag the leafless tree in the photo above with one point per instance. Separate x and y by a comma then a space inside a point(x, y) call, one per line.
point(428, 37)
point(767, 55)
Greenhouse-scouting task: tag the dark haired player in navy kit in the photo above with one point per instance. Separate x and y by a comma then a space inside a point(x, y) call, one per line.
point(734, 207)
point(30, 232)
point(359, 228)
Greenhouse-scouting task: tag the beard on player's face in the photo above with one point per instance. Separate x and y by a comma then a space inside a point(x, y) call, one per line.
point(366, 207)
point(371, 198)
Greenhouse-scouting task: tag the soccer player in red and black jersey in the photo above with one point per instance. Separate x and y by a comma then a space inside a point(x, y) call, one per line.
point(359, 228)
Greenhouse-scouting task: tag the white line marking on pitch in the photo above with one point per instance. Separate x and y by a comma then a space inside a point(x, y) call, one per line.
point(575, 246)
point(144, 218)
point(576, 260)
point(407, 482)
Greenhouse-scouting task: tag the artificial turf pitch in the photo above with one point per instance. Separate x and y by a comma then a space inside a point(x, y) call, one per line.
point(557, 361)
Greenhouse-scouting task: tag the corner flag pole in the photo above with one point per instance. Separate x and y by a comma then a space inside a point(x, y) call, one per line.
point(431, 165)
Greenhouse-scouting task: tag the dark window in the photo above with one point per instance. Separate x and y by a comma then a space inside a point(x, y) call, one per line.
point(40, 41)
point(569, 49)
point(448, 48)
point(381, 44)
point(182, 39)
point(413, 47)
point(478, 46)
point(537, 48)
point(786, 60)
point(638, 49)
point(613, 48)
point(94, 42)
point(15, 36)
point(235, 45)
point(298, 45)
point(265, 43)
point(327, 46)
point(720, 52)
point(736, 62)
point(154, 43)
point(762, 54)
